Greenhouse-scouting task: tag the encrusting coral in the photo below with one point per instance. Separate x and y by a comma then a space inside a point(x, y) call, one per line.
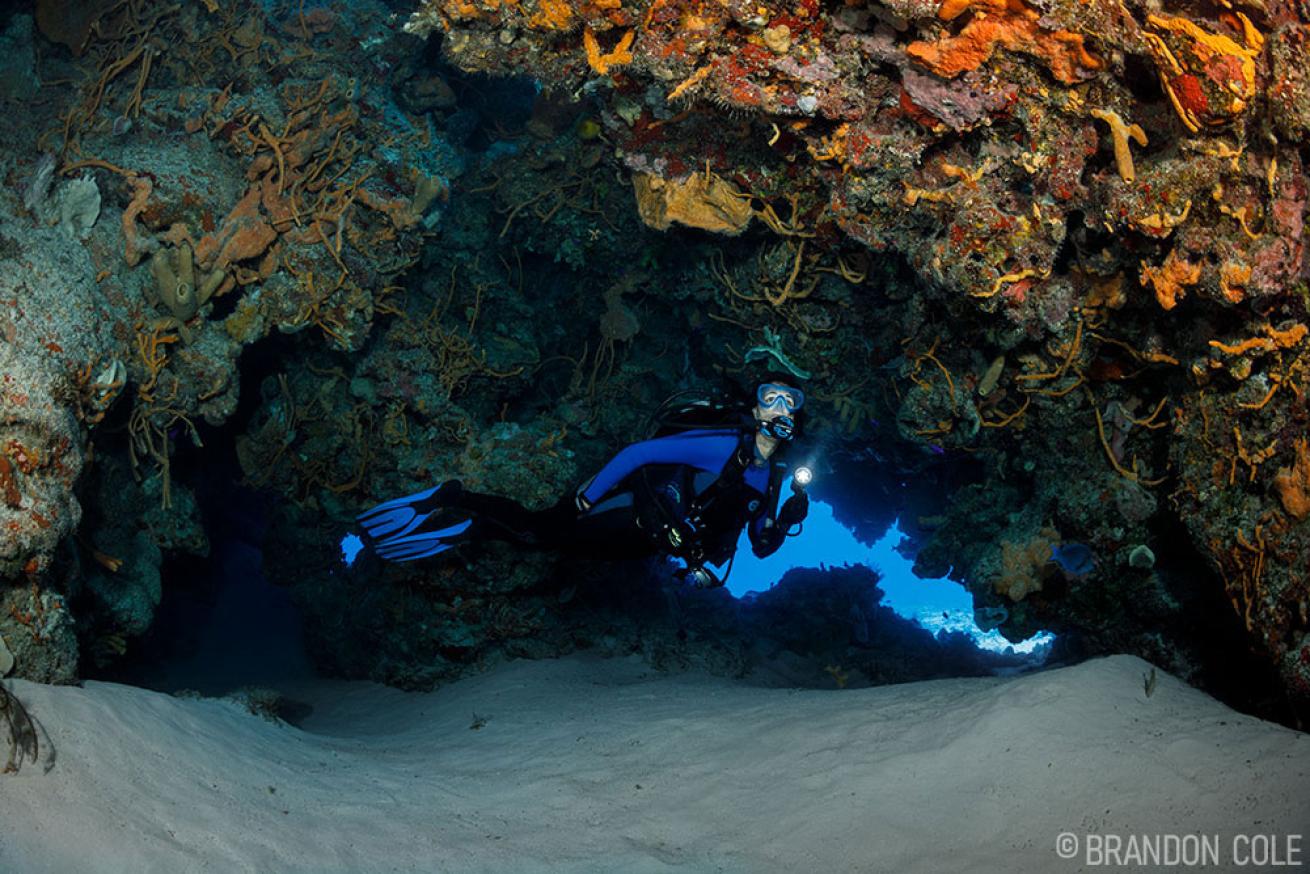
point(1209, 77)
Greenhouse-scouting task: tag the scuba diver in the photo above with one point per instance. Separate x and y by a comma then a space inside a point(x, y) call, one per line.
point(713, 467)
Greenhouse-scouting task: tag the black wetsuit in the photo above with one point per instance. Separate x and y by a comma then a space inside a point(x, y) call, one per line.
point(707, 483)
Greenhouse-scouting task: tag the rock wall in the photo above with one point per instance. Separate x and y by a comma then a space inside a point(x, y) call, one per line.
point(1041, 266)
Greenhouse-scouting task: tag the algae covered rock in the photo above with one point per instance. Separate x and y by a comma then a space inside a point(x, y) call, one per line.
point(50, 345)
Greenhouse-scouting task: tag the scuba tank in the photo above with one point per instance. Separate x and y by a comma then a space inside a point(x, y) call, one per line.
point(692, 409)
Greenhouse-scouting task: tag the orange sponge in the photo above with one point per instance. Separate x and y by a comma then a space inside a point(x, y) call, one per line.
point(1293, 483)
point(1010, 24)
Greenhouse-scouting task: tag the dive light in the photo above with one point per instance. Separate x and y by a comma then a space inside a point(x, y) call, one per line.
point(801, 478)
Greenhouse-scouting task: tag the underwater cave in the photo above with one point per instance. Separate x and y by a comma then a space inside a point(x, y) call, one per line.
point(550, 436)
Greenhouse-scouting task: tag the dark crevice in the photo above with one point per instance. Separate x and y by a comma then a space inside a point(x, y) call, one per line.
point(1068, 249)
point(1141, 78)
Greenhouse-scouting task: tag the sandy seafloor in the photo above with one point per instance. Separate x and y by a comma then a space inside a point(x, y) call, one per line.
point(585, 764)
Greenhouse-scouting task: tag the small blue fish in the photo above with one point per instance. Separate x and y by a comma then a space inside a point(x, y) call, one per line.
point(1076, 558)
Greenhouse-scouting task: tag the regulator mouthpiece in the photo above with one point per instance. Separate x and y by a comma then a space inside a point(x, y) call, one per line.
point(779, 428)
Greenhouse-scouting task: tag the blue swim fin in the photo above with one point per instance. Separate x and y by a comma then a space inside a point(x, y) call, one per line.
point(412, 527)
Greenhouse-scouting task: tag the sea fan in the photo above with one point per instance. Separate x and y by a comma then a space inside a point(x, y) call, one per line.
point(23, 742)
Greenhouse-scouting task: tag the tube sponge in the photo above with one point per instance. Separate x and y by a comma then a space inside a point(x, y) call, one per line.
point(175, 278)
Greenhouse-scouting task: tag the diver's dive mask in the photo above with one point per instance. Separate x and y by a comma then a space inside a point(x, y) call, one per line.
point(780, 428)
point(772, 395)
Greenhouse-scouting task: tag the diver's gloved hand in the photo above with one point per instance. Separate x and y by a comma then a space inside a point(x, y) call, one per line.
point(794, 510)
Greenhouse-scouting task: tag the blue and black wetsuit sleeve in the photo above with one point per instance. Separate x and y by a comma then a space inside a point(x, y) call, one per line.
point(701, 449)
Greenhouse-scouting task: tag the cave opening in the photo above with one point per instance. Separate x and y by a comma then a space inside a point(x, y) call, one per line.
point(940, 605)
point(221, 624)
point(266, 267)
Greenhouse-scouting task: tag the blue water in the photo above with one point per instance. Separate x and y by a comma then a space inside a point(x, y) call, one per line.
point(351, 545)
point(936, 604)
